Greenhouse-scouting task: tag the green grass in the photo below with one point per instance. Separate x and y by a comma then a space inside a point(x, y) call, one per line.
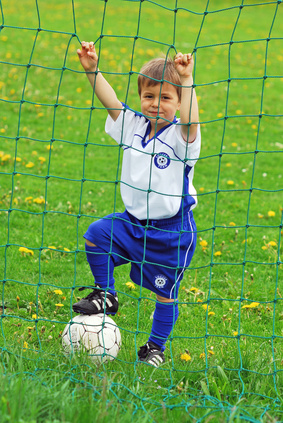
point(59, 171)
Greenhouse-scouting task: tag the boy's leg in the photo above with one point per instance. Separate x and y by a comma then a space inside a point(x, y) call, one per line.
point(101, 265)
point(103, 298)
point(105, 250)
point(164, 319)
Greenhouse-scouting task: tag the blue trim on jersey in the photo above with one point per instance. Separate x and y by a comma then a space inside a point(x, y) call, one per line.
point(148, 129)
point(136, 113)
point(187, 201)
point(156, 135)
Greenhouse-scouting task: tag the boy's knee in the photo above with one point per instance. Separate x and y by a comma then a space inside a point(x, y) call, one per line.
point(90, 244)
point(165, 300)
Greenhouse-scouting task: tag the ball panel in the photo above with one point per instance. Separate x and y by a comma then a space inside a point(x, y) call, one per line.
point(98, 334)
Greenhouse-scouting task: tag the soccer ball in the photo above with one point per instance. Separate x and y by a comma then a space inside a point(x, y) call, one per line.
point(97, 334)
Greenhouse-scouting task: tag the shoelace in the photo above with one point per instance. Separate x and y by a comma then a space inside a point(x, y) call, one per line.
point(96, 293)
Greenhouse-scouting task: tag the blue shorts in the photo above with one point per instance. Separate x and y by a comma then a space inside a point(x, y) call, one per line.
point(159, 252)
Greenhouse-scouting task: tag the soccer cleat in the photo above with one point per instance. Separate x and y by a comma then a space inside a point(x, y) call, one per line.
point(98, 301)
point(151, 353)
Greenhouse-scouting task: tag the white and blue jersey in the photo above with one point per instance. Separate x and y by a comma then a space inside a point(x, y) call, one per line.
point(158, 172)
point(156, 233)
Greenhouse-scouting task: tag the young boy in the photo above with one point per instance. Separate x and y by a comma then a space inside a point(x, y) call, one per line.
point(156, 232)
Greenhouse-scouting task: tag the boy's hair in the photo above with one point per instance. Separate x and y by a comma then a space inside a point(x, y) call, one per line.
point(157, 70)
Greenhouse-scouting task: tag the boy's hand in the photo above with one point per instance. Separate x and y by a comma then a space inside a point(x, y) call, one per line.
point(184, 64)
point(88, 56)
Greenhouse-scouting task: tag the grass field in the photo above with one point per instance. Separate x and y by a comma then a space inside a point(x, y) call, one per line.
point(59, 172)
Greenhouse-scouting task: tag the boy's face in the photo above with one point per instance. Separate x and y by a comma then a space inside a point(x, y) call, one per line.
point(155, 103)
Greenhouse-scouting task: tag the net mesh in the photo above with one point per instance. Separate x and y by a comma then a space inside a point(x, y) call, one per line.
point(59, 172)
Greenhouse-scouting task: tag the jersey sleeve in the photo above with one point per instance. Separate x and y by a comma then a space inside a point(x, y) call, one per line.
point(123, 129)
point(188, 151)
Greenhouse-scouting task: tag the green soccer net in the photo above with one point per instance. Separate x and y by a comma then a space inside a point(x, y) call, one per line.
point(59, 172)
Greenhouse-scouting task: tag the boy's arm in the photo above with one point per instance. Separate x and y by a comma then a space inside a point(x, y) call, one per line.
point(103, 90)
point(184, 64)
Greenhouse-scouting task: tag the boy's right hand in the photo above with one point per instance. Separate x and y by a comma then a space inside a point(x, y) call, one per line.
point(88, 56)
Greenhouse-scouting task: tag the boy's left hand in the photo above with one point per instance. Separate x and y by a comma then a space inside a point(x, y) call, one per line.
point(184, 64)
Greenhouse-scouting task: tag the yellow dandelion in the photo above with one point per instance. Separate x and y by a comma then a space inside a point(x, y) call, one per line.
point(234, 144)
point(211, 352)
point(34, 316)
point(217, 253)
point(186, 357)
point(67, 249)
point(239, 112)
point(251, 305)
point(24, 250)
point(228, 165)
point(235, 333)
point(39, 200)
point(201, 189)
point(25, 346)
point(232, 224)
point(230, 182)
point(29, 164)
point(2, 130)
point(271, 213)
point(42, 159)
point(79, 90)
point(264, 247)
point(193, 289)
point(202, 355)
point(211, 313)
point(18, 159)
point(272, 244)
point(28, 198)
point(5, 157)
point(130, 285)
point(59, 305)
point(260, 215)
point(58, 292)
point(51, 247)
point(219, 115)
point(49, 147)
point(205, 307)
point(203, 243)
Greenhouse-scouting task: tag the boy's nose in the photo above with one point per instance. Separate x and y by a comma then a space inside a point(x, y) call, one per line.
point(155, 101)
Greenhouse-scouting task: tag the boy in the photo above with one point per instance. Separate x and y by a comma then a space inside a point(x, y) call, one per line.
point(157, 232)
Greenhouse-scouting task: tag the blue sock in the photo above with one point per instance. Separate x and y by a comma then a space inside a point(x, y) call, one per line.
point(164, 319)
point(102, 267)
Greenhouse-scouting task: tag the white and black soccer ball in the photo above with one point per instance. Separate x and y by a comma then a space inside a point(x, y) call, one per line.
point(97, 334)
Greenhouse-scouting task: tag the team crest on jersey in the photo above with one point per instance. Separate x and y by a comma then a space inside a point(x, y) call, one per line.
point(160, 281)
point(161, 160)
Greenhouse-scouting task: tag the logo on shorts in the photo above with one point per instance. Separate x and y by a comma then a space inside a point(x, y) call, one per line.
point(161, 160)
point(160, 281)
